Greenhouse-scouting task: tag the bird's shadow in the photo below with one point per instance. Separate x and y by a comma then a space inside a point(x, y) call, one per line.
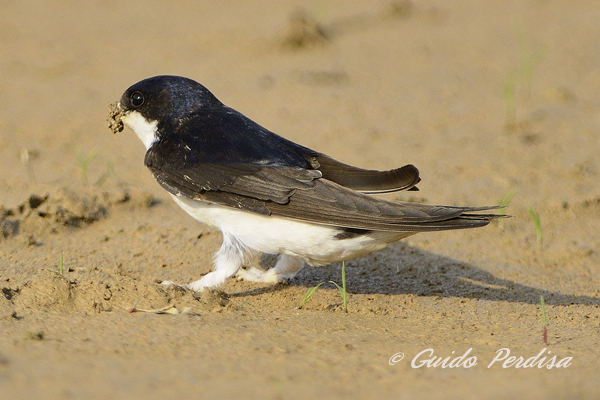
point(403, 269)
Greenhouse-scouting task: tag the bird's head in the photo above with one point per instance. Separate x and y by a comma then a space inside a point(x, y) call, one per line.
point(149, 105)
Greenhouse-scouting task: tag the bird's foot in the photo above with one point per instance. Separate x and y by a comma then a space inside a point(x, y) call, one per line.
point(270, 276)
point(211, 280)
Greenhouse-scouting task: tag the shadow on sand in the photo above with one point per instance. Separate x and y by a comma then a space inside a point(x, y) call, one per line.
point(403, 269)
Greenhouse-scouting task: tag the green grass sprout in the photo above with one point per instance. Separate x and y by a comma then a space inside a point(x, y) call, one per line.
point(110, 169)
point(84, 163)
point(309, 293)
point(109, 173)
point(342, 289)
point(528, 59)
point(60, 264)
point(544, 320)
point(538, 225)
point(520, 77)
point(134, 307)
point(504, 202)
point(543, 304)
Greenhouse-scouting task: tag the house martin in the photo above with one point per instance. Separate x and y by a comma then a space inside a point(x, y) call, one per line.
point(265, 193)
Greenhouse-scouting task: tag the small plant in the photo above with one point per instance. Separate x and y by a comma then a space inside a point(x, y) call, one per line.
point(520, 77)
point(544, 320)
point(110, 169)
point(528, 59)
point(60, 264)
point(538, 225)
point(134, 307)
point(109, 173)
point(84, 163)
point(504, 202)
point(342, 290)
point(309, 293)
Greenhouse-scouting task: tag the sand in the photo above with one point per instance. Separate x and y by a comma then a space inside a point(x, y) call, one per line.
point(485, 98)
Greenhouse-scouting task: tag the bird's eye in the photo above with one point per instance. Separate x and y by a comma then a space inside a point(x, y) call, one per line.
point(137, 99)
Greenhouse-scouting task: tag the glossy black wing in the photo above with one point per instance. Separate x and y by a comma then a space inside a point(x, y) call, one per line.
point(302, 194)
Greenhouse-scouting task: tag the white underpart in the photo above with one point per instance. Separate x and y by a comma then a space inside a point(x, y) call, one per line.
point(246, 232)
point(144, 129)
point(296, 241)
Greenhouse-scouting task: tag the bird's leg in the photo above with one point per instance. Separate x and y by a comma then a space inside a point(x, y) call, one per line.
point(228, 261)
point(286, 268)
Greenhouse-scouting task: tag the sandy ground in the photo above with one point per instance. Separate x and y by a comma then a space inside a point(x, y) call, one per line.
point(483, 97)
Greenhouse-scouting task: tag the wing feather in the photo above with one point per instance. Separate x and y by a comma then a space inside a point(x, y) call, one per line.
point(368, 181)
point(303, 194)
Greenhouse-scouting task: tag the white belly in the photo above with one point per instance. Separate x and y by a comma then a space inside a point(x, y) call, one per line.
point(312, 243)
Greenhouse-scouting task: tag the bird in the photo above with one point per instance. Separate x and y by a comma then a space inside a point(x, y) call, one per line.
point(265, 193)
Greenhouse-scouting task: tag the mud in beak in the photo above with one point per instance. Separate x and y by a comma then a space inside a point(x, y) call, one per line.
point(115, 113)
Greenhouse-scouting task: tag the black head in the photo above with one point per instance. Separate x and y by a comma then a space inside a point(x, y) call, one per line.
point(163, 98)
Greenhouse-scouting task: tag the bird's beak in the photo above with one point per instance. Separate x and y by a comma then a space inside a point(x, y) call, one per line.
point(115, 113)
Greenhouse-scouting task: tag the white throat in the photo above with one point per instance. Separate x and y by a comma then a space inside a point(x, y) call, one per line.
point(144, 129)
